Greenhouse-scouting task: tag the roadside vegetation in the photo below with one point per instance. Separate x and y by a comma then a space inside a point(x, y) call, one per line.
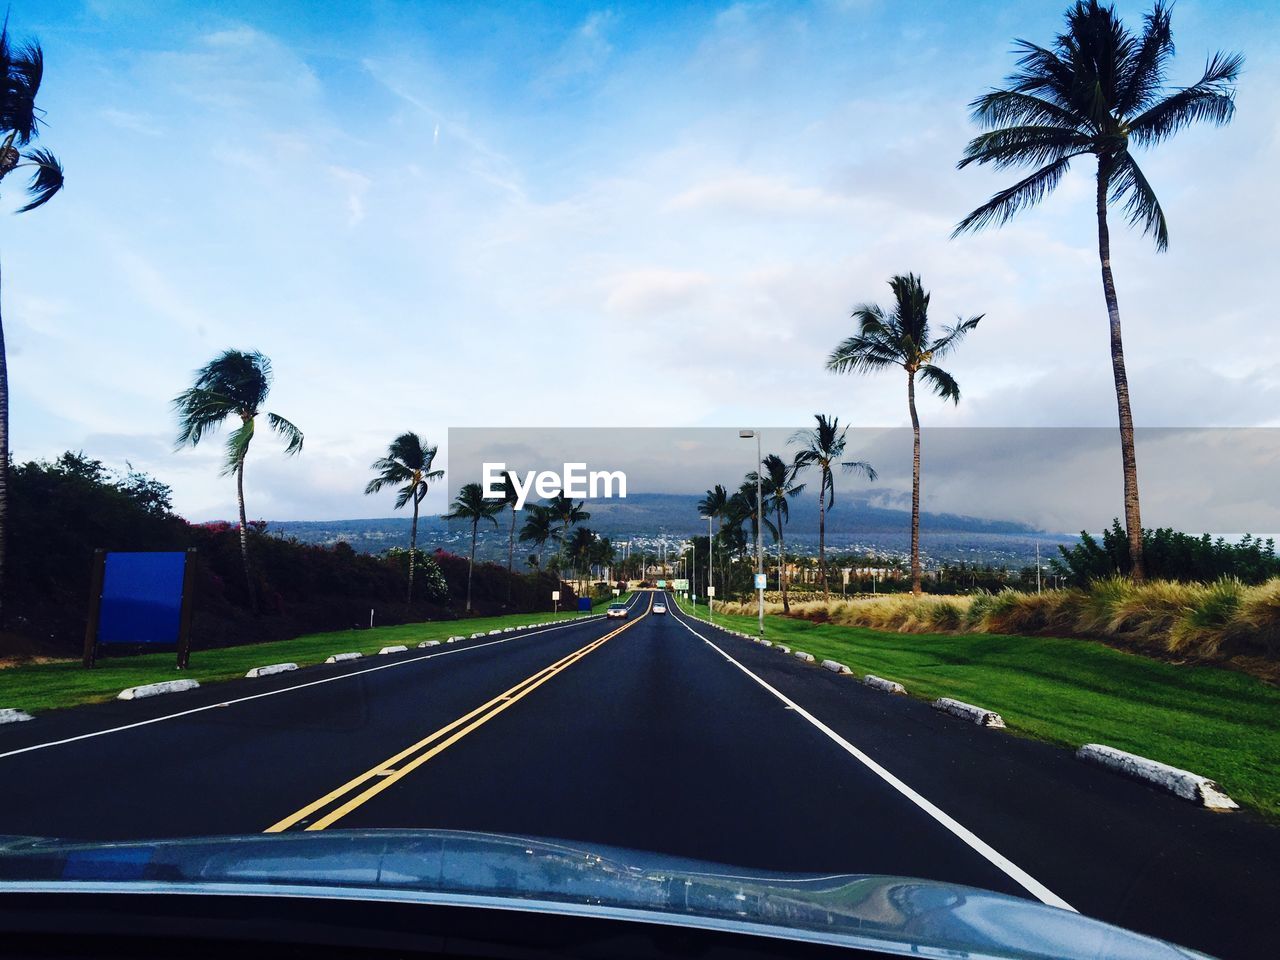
point(1219, 723)
point(46, 686)
point(1212, 621)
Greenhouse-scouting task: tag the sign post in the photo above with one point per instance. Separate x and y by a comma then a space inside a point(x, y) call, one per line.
point(555, 599)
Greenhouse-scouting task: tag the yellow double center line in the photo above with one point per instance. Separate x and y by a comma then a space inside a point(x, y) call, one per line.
point(338, 803)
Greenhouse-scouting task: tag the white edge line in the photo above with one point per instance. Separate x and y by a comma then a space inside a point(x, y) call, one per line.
point(993, 856)
point(301, 686)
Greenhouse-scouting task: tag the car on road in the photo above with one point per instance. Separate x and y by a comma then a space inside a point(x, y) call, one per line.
point(616, 611)
point(659, 607)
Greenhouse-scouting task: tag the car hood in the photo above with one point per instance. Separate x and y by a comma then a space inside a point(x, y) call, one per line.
point(893, 914)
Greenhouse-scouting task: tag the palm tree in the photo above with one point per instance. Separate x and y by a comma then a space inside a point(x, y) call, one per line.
point(824, 445)
point(778, 488)
point(579, 548)
point(1098, 91)
point(538, 527)
point(567, 514)
point(233, 384)
point(21, 69)
point(901, 338)
point(715, 504)
point(510, 497)
point(407, 465)
point(471, 505)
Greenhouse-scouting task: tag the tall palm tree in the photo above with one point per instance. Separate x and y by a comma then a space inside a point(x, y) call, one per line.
point(407, 465)
point(824, 445)
point(778, 488)
point(471, 505)
point(579, 547)
point(900, 337)
point(567, 514)
point(234, 384)
point(21, 70)
point(715, 504)
point(538, 526)
point(510, 497)
point(1099, 91)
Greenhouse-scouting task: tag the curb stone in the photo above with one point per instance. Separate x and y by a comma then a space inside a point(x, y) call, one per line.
point(967, 711)
point(782, 648)
point(477, 636)
point(428, 643)
point(880, 683)
point(1181, 783)
point(396, 648)
point(801, 655)
point(14, 715)
point(156, 689)
point(835, 667)
point(493, 633)
point(343, 657)
point(271, 668)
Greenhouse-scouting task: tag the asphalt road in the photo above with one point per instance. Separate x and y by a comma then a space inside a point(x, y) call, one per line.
point(658, 733)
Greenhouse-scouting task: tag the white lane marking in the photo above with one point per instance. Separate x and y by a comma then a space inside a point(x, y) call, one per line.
point(980, 846)
point(300, 686)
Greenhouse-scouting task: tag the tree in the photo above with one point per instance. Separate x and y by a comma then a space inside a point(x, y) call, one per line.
point(715, 504)
point(900, 337)
point(233, 384)
point(538, 526)
point(778, 488)
point(510, 497)
point(566, 513)
point(407, 465)
point(824, 445)
point(579, 547)
point(21, 70)
point(1099, 91)
point(471, 505)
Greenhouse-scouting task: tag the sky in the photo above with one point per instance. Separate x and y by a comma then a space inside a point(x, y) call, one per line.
point(436, 216)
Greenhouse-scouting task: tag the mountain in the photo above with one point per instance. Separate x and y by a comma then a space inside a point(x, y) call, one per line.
point(648, 518)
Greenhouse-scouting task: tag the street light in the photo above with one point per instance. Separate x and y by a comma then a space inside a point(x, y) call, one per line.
point(747, 435)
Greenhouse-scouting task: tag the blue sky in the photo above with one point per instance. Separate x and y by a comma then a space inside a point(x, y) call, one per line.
point(435, 215)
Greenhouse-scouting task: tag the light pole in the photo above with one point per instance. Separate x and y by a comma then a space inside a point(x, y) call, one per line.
point(747, 435)
point(711, 552)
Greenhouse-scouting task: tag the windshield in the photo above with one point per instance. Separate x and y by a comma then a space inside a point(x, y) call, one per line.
point(825, 443)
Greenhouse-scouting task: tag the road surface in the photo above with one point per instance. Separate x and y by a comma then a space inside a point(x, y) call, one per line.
point(658, 733)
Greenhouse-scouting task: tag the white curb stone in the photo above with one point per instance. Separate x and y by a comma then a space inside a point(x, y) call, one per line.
point(271, 668)
point(880, 683)
point(428, 643)
point(455, 639)
point(522, 627)
point(801, 655)
point(766, 643)
point(155, 689)
point(343, 657)
point(397, 648)
point(508, 629)
point(781, 648)
point(835, 666)
point(1182, 783)
point(967, 711)
point(494, 633)
point(476, 636)
point(13, 715)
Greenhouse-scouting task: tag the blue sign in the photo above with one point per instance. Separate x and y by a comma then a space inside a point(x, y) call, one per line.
point(141, 598)
point(762, 581)
point(584, 604)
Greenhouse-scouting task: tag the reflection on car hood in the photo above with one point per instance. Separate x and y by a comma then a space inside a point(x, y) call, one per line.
point(893, 914)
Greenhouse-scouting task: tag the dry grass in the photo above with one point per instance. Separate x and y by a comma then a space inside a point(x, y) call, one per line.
point(1203, 621)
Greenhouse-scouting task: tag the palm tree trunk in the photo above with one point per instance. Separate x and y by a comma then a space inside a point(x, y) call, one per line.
point(822, 535)
point(471, 561)
point(782, 565)
point(4, 464)
point(915, 484)
point(413, 550)
point(1132, 513)
point(511, 551)
point(244, 537)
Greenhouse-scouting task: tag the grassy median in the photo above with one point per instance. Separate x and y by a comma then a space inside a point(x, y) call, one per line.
point(1217, 722)
point(47, 686)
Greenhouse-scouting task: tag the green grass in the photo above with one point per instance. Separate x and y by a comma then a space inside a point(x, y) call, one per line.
point(48, 686)
point(1216, 722)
